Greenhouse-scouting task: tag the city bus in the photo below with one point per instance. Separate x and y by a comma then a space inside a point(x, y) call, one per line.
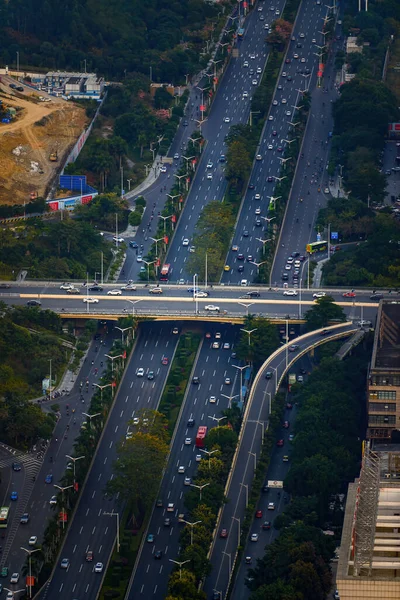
point(4, 516)
point(316, 247)
point(201, 435)
point(165, 272)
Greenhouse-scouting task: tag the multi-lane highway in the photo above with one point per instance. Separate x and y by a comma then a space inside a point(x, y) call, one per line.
point(299, 72)
point(34, 493)
point(256, 419)
point(212, 367)
point(91, 529)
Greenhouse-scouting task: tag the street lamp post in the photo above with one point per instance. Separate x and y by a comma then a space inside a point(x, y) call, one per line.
point(208, 452)
point(112, 358)
point(180, 565)
point(195, 298)
point(114, 514)
point(241, 379)
point(74, 461)
point(255, 460)
point(246, 487)
point(122, 330)
point(230, 398)
point(262, 430)
point(263, 242)
point(229, 555)
point(249, 332)
point(247, 306)
point(62, 498)
point(165, 218)
point(101, 388)
point(90, 417)
point(239, 532)
point(191, 528)
point(133, 302)
point(160, 239)
point(258, 265)
point(148, 263)
point(179, 177)
point(218, 419)
point(29, 552)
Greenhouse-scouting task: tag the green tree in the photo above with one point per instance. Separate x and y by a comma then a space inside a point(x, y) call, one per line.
point(324, 311)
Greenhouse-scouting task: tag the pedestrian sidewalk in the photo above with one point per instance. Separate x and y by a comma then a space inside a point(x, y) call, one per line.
point(150, 179)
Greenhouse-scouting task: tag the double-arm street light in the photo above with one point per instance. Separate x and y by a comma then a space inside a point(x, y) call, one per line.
point(208, 452)
point(102, 387)
point(156, 240)
point(191, 528)
point(230, 398)
point(264, 242)
point(112, 358)
point(67, 487)
point(218, 419)
point(123, 329)
point(249, 332)
point(148, 263)
point(169, 216)
point(74, 461)
point(180, 565)
point(246, 306)
point(200, 487)
point(258, 264)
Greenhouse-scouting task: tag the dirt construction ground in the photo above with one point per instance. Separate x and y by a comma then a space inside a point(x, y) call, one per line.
point(26, 143)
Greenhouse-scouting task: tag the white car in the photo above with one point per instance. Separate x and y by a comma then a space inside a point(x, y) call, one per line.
point(254, 537)
point(209, 175)
point(319, 295)
point(259, 70)
point(140, 372)
point(227, 120)
point(14, 578)
point(90, 300)
point(211, 307)
point(212, 400)
point(215, 345)
point(201, 294)
point(114, 292)
point(118, 239)
point(198, 457)
point(129, 287)
point(252, 56)
point(188, 441)
point(284, 101)
point(66, 286)
point(163, 169)
point(192, 249)
point(284, 74)
point(245, 64)
point(53, 501)
point(257, 197)
point(270, 118)
point(245, 94)
point(288, 113)
point(303, 60)
point(187, 481)
point(136, 421)
point(270, 147)
point(275, 102)
point(271, 505)
point(290, 293)
point(258, 157)
point(98, 567)
point(254, 82)
point(258, 211)
point(209, 165)
point(185, 242)
point(32, 540)
point(313, 41)
point(295, 55)
point(181, 469)
point(288, 267)
point(176, 156)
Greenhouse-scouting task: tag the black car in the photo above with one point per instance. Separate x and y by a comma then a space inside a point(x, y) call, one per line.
point(240, 256)
point(252, 294)
point(268, 375)
point(285, 276)
point(5, 286)
point(158, 554)
point(95, 288)
point(245, 233)
point(190, 422)
point(16, 466)
point(258, 223)
point(240, 268)
point(376, 297)
point(251, 186)
point(195, 380)
point(34, 303)
point(133, 245)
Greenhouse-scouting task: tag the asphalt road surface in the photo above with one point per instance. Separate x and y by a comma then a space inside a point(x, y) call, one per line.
point(91, 529)
point(212, 367)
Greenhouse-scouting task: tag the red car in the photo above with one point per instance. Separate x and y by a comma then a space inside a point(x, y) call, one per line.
point(258, 514)
point(286, 425)
point(223, 534)
point(164, 360)
point(349, 295)
point(266, 525)
point(89, 556)
point(280, 443)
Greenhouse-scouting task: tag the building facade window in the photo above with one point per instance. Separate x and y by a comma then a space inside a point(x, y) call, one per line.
point(379, 407)
point(382, 420)
point(382, 395)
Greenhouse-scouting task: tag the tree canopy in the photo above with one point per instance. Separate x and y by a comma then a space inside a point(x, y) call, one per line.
point(323, 311)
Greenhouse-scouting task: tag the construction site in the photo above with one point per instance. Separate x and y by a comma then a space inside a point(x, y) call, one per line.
point(36, 135)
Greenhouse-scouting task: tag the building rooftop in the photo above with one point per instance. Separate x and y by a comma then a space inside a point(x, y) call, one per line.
point(386, 352)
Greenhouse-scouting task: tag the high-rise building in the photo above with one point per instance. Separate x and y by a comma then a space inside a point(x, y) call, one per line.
point(384, 374)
